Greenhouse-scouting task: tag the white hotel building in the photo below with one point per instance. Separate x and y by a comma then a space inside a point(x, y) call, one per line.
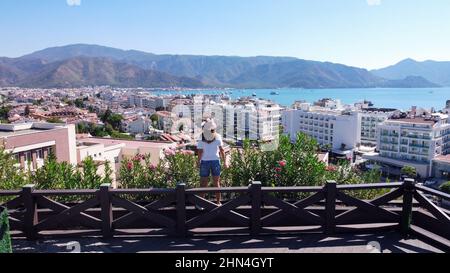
point(370, 119)
point(412, 141)
point(339, 128)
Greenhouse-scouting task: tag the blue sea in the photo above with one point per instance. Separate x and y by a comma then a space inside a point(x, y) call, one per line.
point(399, 98)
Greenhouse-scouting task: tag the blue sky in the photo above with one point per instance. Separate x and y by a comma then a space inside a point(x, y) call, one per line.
point(364, 33)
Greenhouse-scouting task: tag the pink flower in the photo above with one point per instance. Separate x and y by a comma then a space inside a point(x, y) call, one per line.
point(152, 167)
point(169, 152)
point(185, 152)
point(278, 170)
point(130, 166)
point(331, 169)
point(282, 163)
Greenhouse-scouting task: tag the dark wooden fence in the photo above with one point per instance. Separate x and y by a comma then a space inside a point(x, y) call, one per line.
point(254, 210)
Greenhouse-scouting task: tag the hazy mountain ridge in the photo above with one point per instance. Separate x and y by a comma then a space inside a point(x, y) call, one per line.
point(434, 71)
point(79, 65)
point(84, 71)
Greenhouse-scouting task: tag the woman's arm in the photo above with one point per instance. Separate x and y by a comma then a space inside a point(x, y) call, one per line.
point(223, 156)
point(200, 154)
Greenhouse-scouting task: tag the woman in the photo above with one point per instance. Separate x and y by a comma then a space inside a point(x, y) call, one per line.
point(210, 152)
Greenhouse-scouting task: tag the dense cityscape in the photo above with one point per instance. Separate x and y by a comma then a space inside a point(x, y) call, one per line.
point(137, 122)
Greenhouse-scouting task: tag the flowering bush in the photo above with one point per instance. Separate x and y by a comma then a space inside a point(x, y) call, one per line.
point(176, 167)
point(289, 165)
point(138, 172)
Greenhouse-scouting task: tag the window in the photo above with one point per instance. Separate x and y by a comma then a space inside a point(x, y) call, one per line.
point(17, 158)
point(39, 154)
point(28, 157)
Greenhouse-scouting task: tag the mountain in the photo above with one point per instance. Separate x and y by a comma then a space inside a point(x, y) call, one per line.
point(84, 71)
point(307, 74)
point(81, 64)
point(437, 72)
point(212, 70)
point(13, 71)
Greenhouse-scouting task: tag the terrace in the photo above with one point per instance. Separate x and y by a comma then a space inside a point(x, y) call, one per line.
point(254, 219)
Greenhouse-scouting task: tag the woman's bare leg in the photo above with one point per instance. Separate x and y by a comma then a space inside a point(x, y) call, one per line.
point(216, 180)
point(204, 181)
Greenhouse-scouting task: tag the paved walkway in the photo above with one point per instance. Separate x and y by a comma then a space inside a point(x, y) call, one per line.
point(388, 242)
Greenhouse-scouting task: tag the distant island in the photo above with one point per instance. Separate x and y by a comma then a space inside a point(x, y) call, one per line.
point(93, 65)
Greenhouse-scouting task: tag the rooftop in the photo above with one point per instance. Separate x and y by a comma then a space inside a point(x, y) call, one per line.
point(9, 130)
point(416, 120)
point(443, 158)
point(134, 144)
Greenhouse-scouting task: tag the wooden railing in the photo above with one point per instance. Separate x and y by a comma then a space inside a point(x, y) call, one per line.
point(251, 210)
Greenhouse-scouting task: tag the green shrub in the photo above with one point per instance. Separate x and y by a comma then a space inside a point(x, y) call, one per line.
point(446, 187)
point(5, 239)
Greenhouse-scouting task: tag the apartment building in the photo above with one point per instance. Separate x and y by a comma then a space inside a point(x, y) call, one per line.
point(370, 119)
point(136, 125)
point(338, 128)
point(31, 143)
point(414, 140)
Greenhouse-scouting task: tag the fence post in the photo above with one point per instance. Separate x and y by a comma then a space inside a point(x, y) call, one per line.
point(330, 207)
point(256, 197)
point(106, 211)
point(407, 208)
point(31, 214)
point(181, 209)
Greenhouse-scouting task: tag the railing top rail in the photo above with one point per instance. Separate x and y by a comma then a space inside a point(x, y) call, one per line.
point(370, 186)
point(293, 189)
point(153, 191)
point(433, 192)
point(214, 190)
point(64, 192)
point(10, 192)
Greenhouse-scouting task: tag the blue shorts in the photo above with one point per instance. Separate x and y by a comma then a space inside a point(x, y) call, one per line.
point(210, 167)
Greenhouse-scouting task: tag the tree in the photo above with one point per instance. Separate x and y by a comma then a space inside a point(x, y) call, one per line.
point(4, 113)
point(155, 119)
point(27, 111)
point(79, 103)
point(115, 120)
point(11, 176)
point(445, 187)
point(409, 171)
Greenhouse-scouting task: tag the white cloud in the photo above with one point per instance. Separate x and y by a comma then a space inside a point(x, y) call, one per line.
point(373, 2)
point(73, 2)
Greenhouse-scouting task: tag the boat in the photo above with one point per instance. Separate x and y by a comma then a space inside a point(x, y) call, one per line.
point(275, 93)
point(254, 94)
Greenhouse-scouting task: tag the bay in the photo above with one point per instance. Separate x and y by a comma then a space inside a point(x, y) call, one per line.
point(399, 98)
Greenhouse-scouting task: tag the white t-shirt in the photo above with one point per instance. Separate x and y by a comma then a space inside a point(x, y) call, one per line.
point(211, 150)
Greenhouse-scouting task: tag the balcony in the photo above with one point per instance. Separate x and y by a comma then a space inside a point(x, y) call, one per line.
point(389, 142)
point(329, 211)
point(419, 146)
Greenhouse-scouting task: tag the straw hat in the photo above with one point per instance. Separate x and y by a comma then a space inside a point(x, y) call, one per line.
point(209, 130)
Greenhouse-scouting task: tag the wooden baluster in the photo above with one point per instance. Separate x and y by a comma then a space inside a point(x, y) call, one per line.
point(31, 214)
point(407, 208)
point(256, 200)
point(181, 209)
point(330, 207)
point(106, 211)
